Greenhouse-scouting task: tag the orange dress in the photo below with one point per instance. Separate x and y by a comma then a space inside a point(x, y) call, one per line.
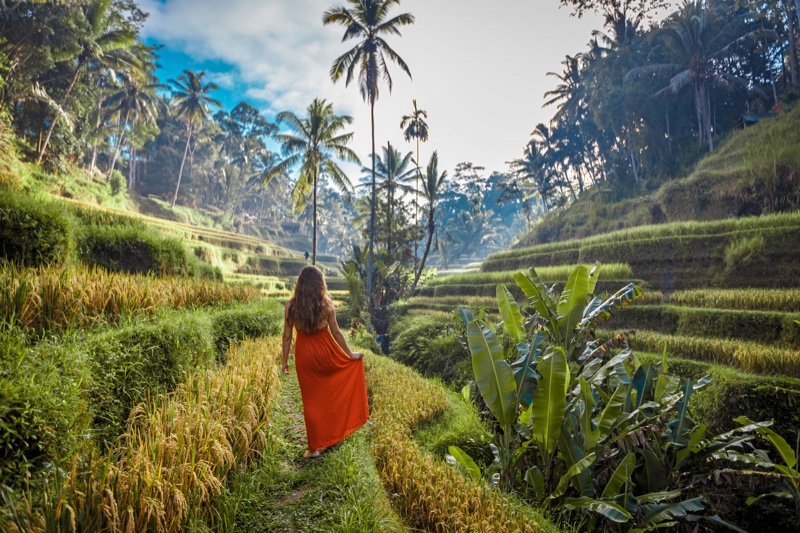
point(333, 388)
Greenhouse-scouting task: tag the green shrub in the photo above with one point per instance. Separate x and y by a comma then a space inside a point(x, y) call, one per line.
point(432, 348)
point(258, 319)
point(740, 252)
point(42, 410)
point(199, 269)
point(142, 360)
point(132, 249)
point(734, 393)
point(117, 182)
point(34, 231)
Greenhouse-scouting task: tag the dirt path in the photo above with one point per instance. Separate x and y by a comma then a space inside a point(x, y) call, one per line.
point(283, 492)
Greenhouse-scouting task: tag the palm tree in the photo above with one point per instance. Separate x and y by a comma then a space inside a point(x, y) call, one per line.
point(135, 101)
point(415, 127)
point(102, 43)
point(368, 20)
point(191, 99)
point(431, 189)
point(699, 46)
point(313, 144)
point(392, 171)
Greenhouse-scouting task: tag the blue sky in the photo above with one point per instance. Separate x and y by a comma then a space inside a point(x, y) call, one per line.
point(479, 68)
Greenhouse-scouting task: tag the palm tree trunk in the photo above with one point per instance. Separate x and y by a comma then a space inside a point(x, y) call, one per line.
point(56, 117)
point(120, 138)
point(792, 47)
point(431, 229)
point(390, 198)
point(314, 237)
point(132, 168)
point(183, 162)
point(371, 259)
point(416, 201)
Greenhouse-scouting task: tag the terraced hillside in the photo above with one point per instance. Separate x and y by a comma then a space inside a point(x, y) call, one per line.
point(240, 257)
point(721, 297)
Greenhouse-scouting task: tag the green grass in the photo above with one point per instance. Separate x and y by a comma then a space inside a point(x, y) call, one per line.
point(549, 274)
point(339, 492)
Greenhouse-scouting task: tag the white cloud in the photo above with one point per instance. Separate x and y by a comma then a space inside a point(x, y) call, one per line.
point(479, 68)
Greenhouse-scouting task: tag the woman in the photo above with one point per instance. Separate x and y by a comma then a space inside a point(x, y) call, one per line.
point(331, 375)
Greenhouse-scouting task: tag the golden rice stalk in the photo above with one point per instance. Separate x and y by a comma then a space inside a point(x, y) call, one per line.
point(430, 494)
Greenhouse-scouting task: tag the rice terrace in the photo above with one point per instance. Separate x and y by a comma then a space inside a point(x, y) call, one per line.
point(399, 266)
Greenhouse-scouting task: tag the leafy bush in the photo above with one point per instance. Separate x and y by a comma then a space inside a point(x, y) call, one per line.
point(432, 348)
point(34, 231)
point(141, 361)
point(254, 320)
point(117, 182)
point(132, 249)
point(42, 410)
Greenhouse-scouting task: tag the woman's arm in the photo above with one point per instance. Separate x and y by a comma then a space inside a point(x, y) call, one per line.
point(287, 339)
point(337, 334)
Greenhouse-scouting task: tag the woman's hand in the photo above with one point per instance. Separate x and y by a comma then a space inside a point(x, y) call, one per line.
point(286, 369)
point(357, 355)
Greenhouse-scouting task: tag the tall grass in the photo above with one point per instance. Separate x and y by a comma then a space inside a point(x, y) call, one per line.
point(786, 300)
point(175, 457)
point(748, 356)
point(56, 298)
point(548, 274)
point(429, 494)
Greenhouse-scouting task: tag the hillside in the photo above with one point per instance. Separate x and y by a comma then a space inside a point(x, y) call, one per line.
point(756, 171)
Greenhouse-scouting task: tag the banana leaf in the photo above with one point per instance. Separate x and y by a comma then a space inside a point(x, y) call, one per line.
point(509, 310)
point(580, 466)
point(572, 454)
point(526, 377)
point(780, 444)
point(534, 478)
point(492, 373)
point(588, 428)
point(657, 513)
point(612, 411)
point(572, 301)
point(609, 509)
point(603, 312)
point(620, 477)
point(652, 478)
point(550, 399)
point(538, 297)
point(461, 457)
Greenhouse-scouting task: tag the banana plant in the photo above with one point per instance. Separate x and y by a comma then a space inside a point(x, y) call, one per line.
point(560, 414)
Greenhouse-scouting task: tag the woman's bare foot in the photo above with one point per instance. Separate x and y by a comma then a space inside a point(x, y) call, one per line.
point(312, 454)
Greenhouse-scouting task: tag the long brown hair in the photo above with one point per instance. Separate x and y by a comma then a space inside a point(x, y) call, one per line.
point(308, 306)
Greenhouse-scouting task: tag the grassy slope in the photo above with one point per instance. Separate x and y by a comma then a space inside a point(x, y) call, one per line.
point(755, 171)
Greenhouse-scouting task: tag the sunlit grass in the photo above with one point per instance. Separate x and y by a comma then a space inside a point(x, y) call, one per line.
point(549, 274)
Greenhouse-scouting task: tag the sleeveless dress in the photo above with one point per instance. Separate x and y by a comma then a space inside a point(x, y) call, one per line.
point(333, 388)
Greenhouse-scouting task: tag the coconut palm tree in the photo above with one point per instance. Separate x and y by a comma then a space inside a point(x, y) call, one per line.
point(191, 99)
point(314, 143)
point(415, 127)
point(392, 172)
point(102, 43)
point(369, 21)
point(699, 43)
point(431, 190)
point(134, 102)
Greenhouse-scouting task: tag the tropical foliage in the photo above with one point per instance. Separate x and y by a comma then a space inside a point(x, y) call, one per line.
point(584, 429)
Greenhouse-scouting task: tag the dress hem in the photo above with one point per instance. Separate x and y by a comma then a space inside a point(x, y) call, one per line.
point(347, 433)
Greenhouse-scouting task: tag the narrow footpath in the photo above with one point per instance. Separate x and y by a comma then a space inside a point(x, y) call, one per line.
point(283, 492)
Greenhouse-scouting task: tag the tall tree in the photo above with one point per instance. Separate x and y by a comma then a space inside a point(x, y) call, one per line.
point(369, 21)
point(431, 190)
point(392, 171)
point(700, 39)
point(104, 41)
point(415, 127)
point(135, 101)
point(191, 99)
point(314, 143)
